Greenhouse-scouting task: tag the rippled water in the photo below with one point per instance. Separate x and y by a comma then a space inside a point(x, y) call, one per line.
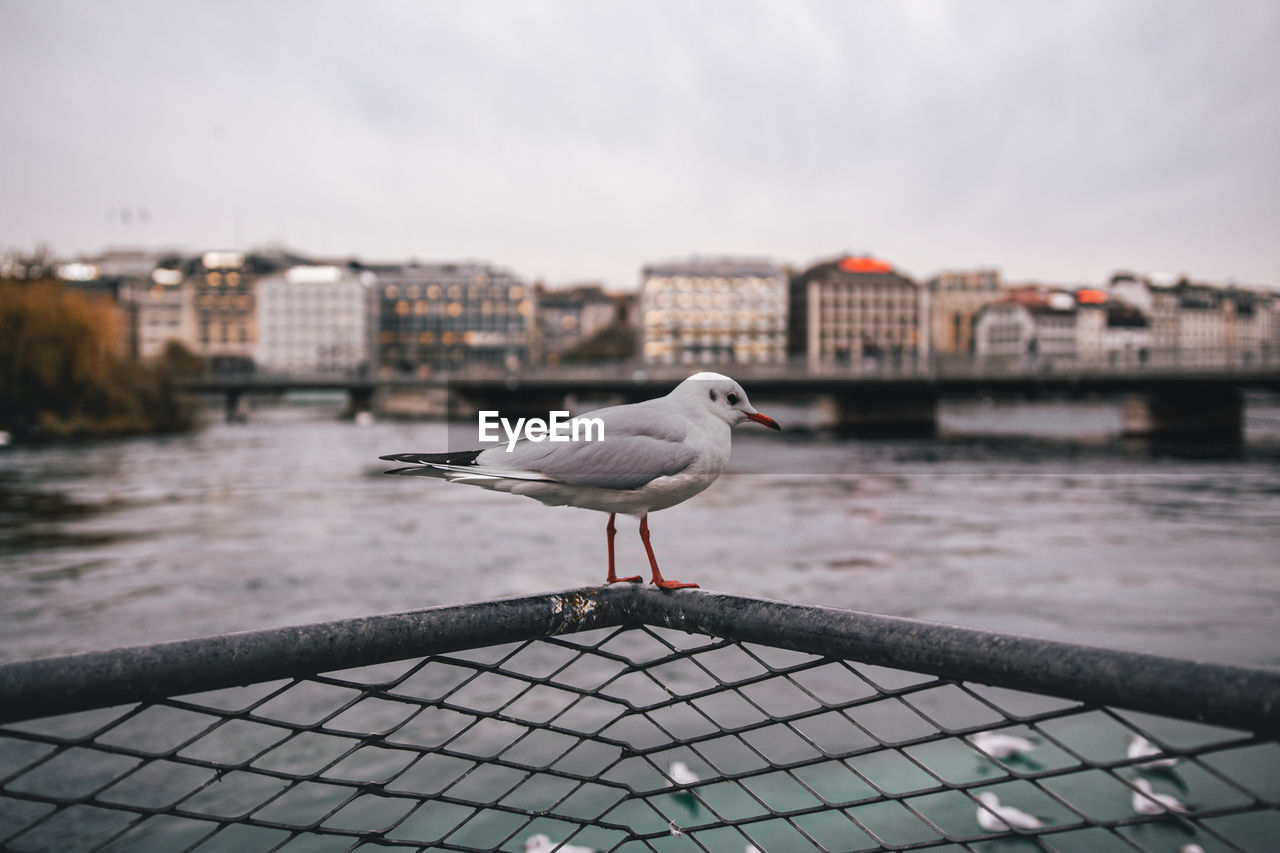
point(288, 519)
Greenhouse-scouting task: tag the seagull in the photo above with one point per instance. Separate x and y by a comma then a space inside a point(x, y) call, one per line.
point(652, 455)
point(1140, 747)
point(994, 817)
point(1146, 801)
point(541, 843)
point(680, 773)
point(1001, 746)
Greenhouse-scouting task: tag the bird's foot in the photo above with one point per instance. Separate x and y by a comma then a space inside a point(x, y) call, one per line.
point(665, 584)
point(632, 579)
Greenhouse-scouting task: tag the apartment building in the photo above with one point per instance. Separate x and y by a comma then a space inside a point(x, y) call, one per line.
point(858, 310)
point(448, 316)
point(1018, 332)
point(714, 311)
point(567, 316)
point(954, 300)
point(163, 308)
point(312, 319)
point(226, 317)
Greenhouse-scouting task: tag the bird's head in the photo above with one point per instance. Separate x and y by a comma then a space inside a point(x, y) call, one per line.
point(722, 397)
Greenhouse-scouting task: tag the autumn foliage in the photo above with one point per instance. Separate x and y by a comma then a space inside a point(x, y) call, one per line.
point(62, 371)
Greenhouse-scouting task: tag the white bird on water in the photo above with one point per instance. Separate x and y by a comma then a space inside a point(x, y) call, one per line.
point(1147, 801)
point(994, 817)
point(680, 773)
point(1140, 747)
point(542, 843)
point(1001, 746)
point(652, 455)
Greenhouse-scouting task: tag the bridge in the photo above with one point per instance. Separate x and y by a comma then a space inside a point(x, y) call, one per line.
point(1161, 401)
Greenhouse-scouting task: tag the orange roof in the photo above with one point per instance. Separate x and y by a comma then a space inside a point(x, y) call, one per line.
point(1089, 296)
point(852, 264)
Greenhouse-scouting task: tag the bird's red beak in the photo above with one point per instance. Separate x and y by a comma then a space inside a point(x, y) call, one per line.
point(764, 419)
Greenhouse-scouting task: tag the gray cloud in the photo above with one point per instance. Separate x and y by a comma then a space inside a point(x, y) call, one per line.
point(577, 139)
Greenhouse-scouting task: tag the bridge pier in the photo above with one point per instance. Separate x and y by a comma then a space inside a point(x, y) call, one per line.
point(1193, 412)
point(237, 406)
point(891, 412)
point(359, 401)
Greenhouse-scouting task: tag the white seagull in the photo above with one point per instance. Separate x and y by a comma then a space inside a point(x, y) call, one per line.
point(1001, 746)
point(1140, 747)
point(653, 455)
point(541, 843)
point(994, 817)
point(1147, 801)
point(680, 773)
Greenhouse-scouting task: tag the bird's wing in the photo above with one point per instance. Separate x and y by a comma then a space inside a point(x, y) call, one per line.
point(641, 443)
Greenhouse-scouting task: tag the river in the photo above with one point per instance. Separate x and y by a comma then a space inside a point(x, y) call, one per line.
point(1048, 525)
point(288, 519)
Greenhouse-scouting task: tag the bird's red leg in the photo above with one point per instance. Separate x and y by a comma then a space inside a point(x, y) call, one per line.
point(613, 578)
point(653, 562)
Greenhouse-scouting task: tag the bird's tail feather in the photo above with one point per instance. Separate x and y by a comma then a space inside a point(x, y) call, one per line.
point(459, 457)
point(459, 467)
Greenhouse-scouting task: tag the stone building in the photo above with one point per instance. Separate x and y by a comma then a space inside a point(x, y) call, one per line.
point(858, 311)
point(954, 301)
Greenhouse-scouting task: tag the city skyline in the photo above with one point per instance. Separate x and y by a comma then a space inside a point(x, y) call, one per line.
point(572, 142)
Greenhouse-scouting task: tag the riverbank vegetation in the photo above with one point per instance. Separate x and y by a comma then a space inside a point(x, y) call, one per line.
point(63, 371)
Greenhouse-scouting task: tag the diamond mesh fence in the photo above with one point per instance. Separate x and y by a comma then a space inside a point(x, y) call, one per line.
point(628, 719)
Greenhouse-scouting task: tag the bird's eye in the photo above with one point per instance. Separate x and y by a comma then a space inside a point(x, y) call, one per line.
point(732, 398)
point(713, 396)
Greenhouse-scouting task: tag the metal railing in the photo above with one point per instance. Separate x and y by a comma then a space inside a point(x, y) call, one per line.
point(483, 726)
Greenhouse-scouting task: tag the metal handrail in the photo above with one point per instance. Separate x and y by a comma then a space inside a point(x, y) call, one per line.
point(1220, 694)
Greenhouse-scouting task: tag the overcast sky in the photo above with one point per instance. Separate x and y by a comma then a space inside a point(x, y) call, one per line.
point(580, 140)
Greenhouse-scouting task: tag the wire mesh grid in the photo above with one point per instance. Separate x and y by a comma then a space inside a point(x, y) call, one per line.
point(578, 740)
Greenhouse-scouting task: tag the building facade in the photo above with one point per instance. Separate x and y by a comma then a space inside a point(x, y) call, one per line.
point(226, 317)
point(858, 311)
point(568, 316)
point(164, 311)
point(1020, 334)
point(449, 316)
point(714, 311)
point(312, 319)
point(954, 301)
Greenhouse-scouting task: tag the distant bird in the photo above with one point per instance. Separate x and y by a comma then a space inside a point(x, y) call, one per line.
point(675, 831)
point(541, 843)
point(652, 455)
point(1147, 801)
point(1001, 746)
point(1191, 848)
point(994, 817)
point(1140, 747)
point(679, 772)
